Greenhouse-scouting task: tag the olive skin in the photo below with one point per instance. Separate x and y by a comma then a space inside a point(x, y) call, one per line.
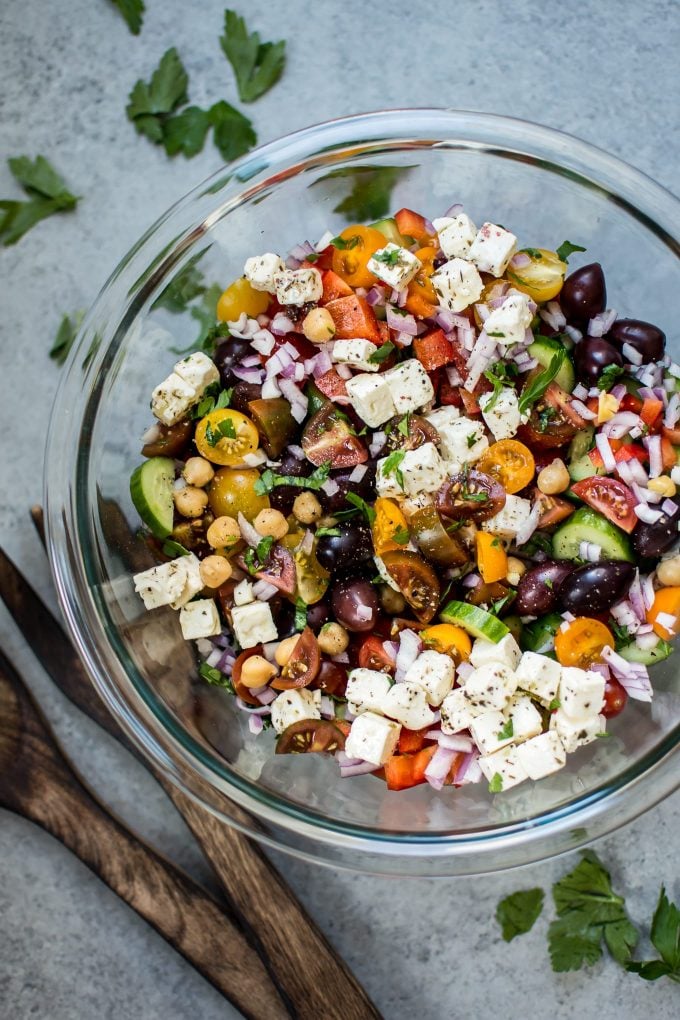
point(352, 545)
point(537, 589)
point(338, 501)
point(346, 598)
point(591, 356)
point(584, 294)
point(229, 353)
point(652, 540)
point(595, 587)
point(243, 393)
point(646, 339)
point(318, 614)
point(282, 497)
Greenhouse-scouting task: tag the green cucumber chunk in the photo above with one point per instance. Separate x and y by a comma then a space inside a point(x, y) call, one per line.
point(151, 491)
point(315, 398)
point(544, 349)
point(475, 621)
point(579, 464)
point(539, 636)
point(390, 231)
point(587, 525)
point(647, 656)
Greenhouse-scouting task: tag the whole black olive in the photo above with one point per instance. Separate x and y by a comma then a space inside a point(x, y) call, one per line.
point(584, 294)
point(595, 587)
point(592, 356)
point(283, 496)
point(537, 590)
point(351, 545)
point(655, 539)
point(364, 488)
point(318, 614)
point(355, 604)
point(229, 353)
point(646, 339)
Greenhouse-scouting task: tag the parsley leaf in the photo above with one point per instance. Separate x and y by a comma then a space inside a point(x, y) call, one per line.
point(173, 548)
point(496, 784)
point(300, 614)
point(233, 134)
point(507, 731)
point(498, 376)
point(133, 12)
point(392, 466)
point(222, 430)
point(609, 376)
point(362, 505)
point(589, 911)
point(186, 132)
point(665, 937)
point(66, 334)
point(269, 480)
point(566, 249)
point(518, 912)
point(388, 258)
point(534, 253)
point(215, 678)
point(403, 424)
point(534, 390)
point(256, 65)
point(382, 354)
point(47, 194)
point(345, 244)
point(555, 703)
point(150, 103)
point(330, 532)
point(401, 536)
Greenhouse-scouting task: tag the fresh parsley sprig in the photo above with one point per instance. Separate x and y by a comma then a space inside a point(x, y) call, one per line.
point(609, 376)
point(498, 376)
point(269, 479)
point(535, 389)
point(566, 249)
point(256, 65)
point(392, 466)
point(382, 354)
point(665, 937)
point(47, 194)
point(518, 912)
point(215, 677)
point(133, 12)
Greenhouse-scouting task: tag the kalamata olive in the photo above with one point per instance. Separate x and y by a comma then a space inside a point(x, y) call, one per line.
point(243, 393)
point(470, 495)
point(592, 356)
point(645, 338)
point(283, 496)
point(655, 539)
point(595, 587)
point(283, 614)
point(584, 294)
point(318, 614)
point(352, 544)
point(169, 440)
point(355, 604)
point(229, 353)
point(364, 488)
point(418, 431)
point(537, 590)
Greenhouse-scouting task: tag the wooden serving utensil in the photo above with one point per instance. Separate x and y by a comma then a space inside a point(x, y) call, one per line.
point(37, 782)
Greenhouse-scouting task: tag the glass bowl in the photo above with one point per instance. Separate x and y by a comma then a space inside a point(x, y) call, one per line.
point(546, 186)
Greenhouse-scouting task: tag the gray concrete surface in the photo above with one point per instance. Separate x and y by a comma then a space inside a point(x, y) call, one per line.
point(69, 950)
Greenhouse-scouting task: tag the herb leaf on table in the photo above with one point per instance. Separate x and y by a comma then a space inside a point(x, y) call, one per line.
point(256, 65)
point(133, 12)
point(665, 937)
point(47, 192)
point(150, 103)
point(518, 912)
point(233, 133)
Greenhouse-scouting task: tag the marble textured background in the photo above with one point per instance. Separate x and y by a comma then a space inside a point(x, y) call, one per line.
point(604, 71)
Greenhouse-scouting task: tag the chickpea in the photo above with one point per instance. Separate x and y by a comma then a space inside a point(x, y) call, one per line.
point(256, 671)
point(392, 601)
point(333, 639)
point(327, 521)
point(515, 570)
point(223, 533)
point(272, 523)
point(190, 501)
point(664, 485)
point(307, 508)
point(215, 570)
point(318, 326)
point(554, 478)
point(285, 649)
point(198, 471)
point(668, 571)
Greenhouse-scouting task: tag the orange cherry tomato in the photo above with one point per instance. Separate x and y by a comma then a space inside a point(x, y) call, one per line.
point(666, 600)
point(511, 463)
point(448, 639)
point(581, 643)
point(389, 521)
point(240, 297)
point(350, 260)
point(421, 284)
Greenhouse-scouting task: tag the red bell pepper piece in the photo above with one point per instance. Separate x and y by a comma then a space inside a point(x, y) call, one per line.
point(354, 317)
point(405, 770)
point(334, 287)
point(411, 741)
point(433, 350)
point(412, 224)
point(651, 412)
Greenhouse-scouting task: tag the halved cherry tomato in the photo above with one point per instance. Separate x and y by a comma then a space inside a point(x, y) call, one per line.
point(170, 440)
point(667, 601)
point(448, 639)
point(610, 497)
point(311, 578)
point(329, 436)
point(615, 698)
point(418, 432)
point(303, 665)
point(274, 422)
point(332, 385)
point(241, 297)
point(412, 224)
point(470, 402)
point(553, 509)
point(629, 402)
point(389, 521)
point(434, 541)
point(332, 678)
point(511, 463)
point(225, 437)
point(581, 643)
point(542, 277)
point(416, 580)
point(421, 298)
point(492, 559)
point(333, 287)
point(629, 451)
point(242, 691)
point(311, 736)
point(350, 260)
point(470, 495)
point(403, 771)
point(433, 350)
point(372, 655)
point(411, 741)
point(354, 317)
point(553, 420)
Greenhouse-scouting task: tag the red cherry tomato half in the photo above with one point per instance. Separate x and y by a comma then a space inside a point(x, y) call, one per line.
point(416, 580)
point(615, 698)
point(611, 498)
point(372, 655)
point(311, 736)
point(330, 436)
point(332, 678)
point(303, 665)
point(244, 692)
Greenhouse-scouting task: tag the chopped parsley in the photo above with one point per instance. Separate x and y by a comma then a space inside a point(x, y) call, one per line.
point(362, 505)
point(257, 65)
point(609, 376)
point(403, 425)
point(345, 244)
point(269, 480)
point(495, 334)
point(496, 784)
point(47, 194)
point(566, 249)
point(401, 536)
point(173, 548)
point(222, 430)
point(300, 614)
point(388, 258)
point(545, 416)
point(554, 704)
point(330, 532)
point(507, 731)
point(535, 389)
point(471, 440)
point(500, 604)
point(498, 376)
point(214, 399)
point(392, 466)
point(518, 912)
point(533, 253)
point(215, 678)
point(382, 353)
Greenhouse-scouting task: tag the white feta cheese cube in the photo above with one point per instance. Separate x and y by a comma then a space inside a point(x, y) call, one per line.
point(298, 286)
point(540, 676)
point(492, 249)
point(243, 593)
point(260, 271)
point(581, 693)
point(508, 521)
point(409, 385)
point(253, 624)
point(373, 738)
point(576, 733)
point(385, 574)
point(407, 703)
point(506, 766)
point(509, 323)
point(503, 419)
point(462, 442)
point(172, 398)
point(193, 582)
point(456, 234)
point(490, 686)
point(293, 706)
point(542, 755)
point(199, 619)
point(355, 353)
point(457, 285)
point(371, 398)
point(458, 712)
point(423, 470)
point(393, 265)
point(386, 481)
point(489, 731)
point(366, 689)
point(198, 371)
point(163, 584)
point(442, 416)
point(435, 674)
point(505, 651)
point(526, 719)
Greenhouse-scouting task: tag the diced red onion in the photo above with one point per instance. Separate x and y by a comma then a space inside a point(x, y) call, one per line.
point(296, 451)
point(653, 444)
point(648, 592)
point(465, 670)
point(482, 356)
point(362, 612)
point(248, 532)
point(402, 323)
point(327, 707)
point(520, 260)
point(602, 323)
point(645, 513)
point(469, 770)
point(398, 297)
point(307, 543)
point(376, 296)
point(669, 507)
point(583, 410)
point(618, 392)
point(530, 525)
point(452, 741)
point(214, 657)
point(605, 450)
point(237, 326)
point(292, 351)
point(279, 360)
point(249, 375)
point(362, 769)
point(573, 333)
point(483, 311)
point(341, 657)
point(410, 646)
point(599, 667)
point(377, 443)
point(269, 650)
point(568, 617)
point(553, 315)
point(266, 695)
point(635, 596)
point(344, 759)
point(344, 371)
point(250, 361)
point(667, 620)
point(633, 676)
point(324, 240)
point(589, 551)
point(321, 363)
point(263, 342)
point(391, 648)
point(264, 710)
point(632, 355)
point(281, 324)
point(625, 616)
point(644, 495)
point(439, 766)
point(297, 400)
point(471, 580)
point(453, 210)
point(580, 392)
point(255, 724)
point(620, 424)
point(263, 591)
point(330, 487)
point(453, 375)
point(358, 473)
point(467, 337)
point(270, 388)
point(151, 434)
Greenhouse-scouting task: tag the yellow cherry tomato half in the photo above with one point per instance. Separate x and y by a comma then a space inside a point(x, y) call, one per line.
point(357, 244)
point(510, 462)
point(240, 297)
point(448, 639)
point(232, 491)
point(581, 643)
point(389, 522)
point(541, 278)
point(225, 437)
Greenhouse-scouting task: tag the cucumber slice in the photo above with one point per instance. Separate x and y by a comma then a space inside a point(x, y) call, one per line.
point(587, 525)
point(543, 349)
point(580, 465)
point(475, 621)
point(539, 636)
point(389, 228)
point(151, 492)
point(581, 443)
point(647, 656)
point(315, 398)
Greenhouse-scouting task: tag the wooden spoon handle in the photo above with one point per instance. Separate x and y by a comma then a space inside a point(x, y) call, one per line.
point(41, 785)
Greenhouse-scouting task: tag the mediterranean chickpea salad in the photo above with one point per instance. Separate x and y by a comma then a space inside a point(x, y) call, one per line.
point(415, 502)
